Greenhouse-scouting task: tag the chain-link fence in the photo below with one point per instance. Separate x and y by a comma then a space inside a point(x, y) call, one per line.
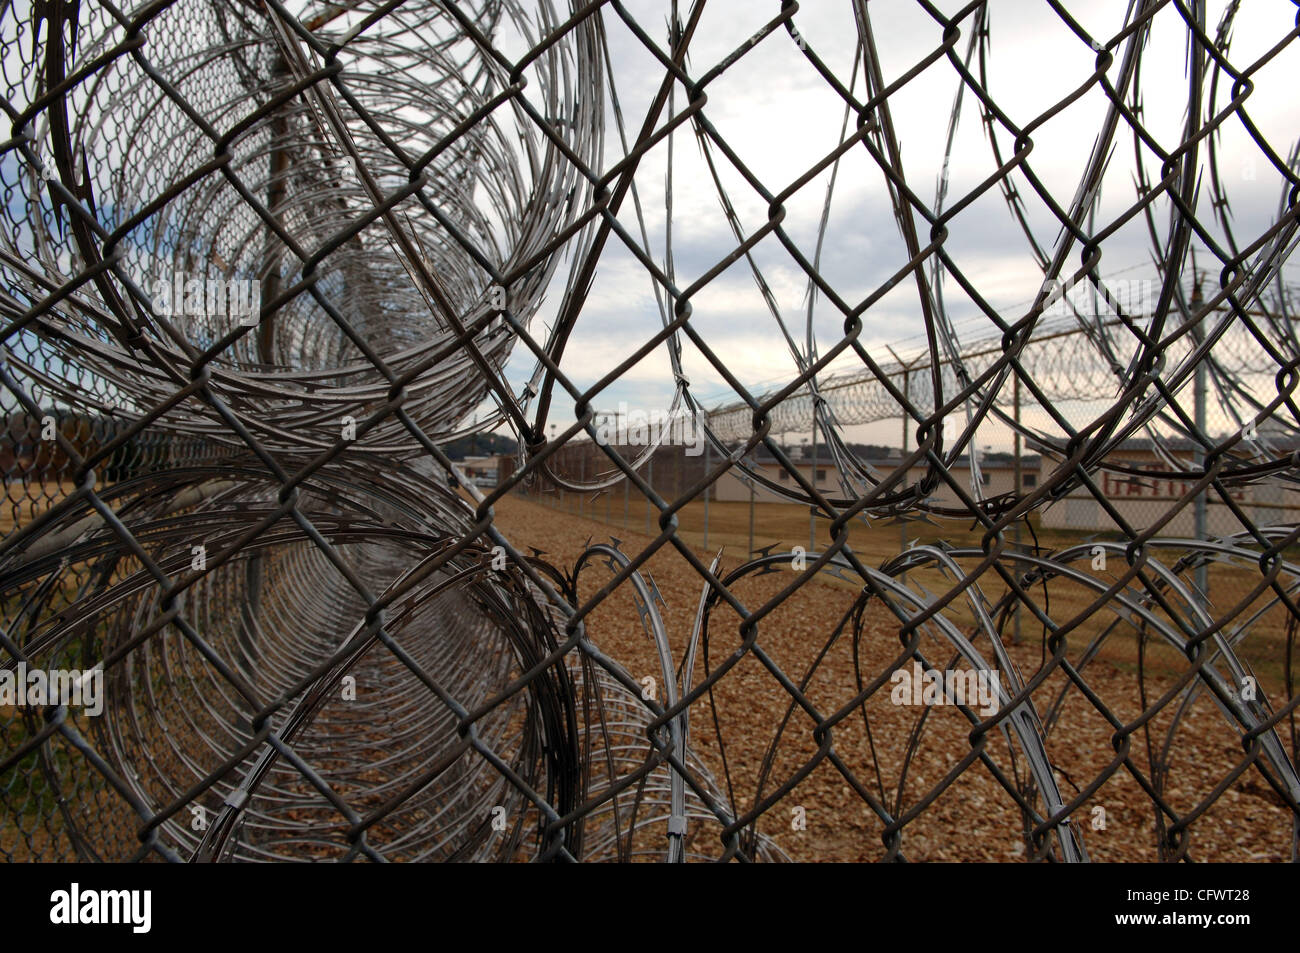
point(265, 262)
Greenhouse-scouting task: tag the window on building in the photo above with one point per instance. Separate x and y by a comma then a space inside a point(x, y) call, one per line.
point(986, 478)
point(785, 476)
point(1030, 479)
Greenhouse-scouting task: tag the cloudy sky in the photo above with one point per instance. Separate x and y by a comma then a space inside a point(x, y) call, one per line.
point(781, 117)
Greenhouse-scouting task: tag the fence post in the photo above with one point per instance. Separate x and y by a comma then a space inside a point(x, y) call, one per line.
point(1199, 508)
point(650, 479)
point(812, 508)
point(751, 516)
point(1015, 397)
point(902, 524)
point(706, 495)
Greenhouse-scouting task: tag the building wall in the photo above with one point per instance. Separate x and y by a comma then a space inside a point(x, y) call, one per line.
point(1000, 479)
point(1142, 502)
point(730, 488)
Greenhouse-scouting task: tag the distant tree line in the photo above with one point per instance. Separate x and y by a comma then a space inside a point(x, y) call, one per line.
point(480, 445)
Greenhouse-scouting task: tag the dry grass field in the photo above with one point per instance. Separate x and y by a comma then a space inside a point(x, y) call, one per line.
point(782, 526)
point(25, 501)
point(753, 737)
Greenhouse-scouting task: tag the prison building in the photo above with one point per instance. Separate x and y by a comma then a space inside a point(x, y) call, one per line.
point(482, 471)
point(997, 476)
point(1143, 500)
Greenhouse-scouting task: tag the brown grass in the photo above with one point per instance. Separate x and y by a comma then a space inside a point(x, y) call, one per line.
point(783, 526)
point(736, 729)
point(971, 819)
point(25, 501)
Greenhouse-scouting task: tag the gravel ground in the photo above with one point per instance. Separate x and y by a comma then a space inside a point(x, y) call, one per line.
point(972, 819)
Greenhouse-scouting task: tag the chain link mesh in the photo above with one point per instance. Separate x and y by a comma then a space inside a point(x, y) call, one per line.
point(264, 262)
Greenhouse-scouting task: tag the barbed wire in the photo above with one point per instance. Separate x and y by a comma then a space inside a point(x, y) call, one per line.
point(264, 261)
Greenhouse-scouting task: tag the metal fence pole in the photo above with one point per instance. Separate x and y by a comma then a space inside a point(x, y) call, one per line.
point(707, 491)
point(902, 524)
point(751, 517)
point(650, 479)
point(1200, 514)
point(1019, 487)
point(812, 509)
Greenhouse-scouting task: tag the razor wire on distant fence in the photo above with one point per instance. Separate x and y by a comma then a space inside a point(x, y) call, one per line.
point(263, 262)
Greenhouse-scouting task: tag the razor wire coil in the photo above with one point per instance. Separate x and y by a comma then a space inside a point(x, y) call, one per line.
point(263, 262)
